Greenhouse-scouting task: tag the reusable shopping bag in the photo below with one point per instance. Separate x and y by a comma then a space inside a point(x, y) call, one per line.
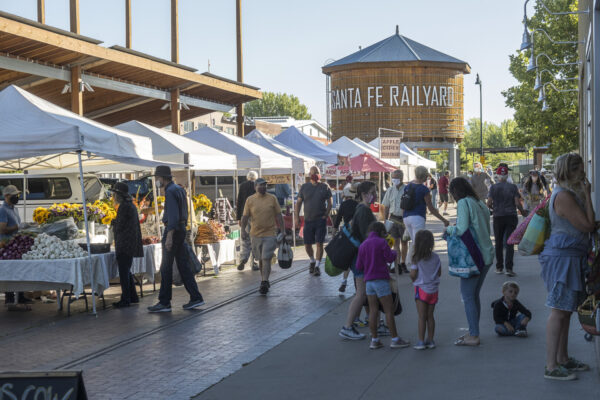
point(517, 235)
point(285, 255)
point(535, 236)
point(465, 258)
point(342, 249)
point(331, 269)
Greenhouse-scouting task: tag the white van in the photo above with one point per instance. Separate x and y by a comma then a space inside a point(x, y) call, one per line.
point(46, 190)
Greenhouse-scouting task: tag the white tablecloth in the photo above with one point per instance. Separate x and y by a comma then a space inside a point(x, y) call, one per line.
point(30, 275)
point(221, 252)
point(147, 265)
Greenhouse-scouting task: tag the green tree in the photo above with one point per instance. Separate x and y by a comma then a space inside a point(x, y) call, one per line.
point(558, 127)
point(277, 104)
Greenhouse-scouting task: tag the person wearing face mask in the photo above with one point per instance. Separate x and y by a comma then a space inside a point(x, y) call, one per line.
point(480, 180)
point(9, 226)
point(263, 209)
point(394, 212)
point(316, 198)
point(175, 217)
point(533, 191)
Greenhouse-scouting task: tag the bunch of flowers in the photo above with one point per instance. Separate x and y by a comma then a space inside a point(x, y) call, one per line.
point(41, 215)
point(160, 200)
point(101, 212)
point(202, 203)
point(107, 212)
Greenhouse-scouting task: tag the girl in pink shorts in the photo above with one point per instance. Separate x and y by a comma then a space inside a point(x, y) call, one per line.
point(425, 272)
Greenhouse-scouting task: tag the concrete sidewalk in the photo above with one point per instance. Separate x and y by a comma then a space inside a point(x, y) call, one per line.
point(317, 364)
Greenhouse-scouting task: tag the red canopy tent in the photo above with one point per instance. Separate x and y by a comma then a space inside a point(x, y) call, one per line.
point(363, 163)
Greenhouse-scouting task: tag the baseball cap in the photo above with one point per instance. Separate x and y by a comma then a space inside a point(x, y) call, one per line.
point(259, 181)
point(10, 190)
point(502, 170)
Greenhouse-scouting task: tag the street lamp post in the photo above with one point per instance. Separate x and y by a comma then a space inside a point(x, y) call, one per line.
point(478, 82)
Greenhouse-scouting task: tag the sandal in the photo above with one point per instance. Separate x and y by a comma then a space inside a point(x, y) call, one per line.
point(461, 341)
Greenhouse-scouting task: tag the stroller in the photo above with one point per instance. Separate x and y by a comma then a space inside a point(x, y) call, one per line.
point(588, 311)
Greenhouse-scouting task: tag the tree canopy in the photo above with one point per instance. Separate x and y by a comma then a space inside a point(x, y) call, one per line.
point(557, 127)
point(277, 104)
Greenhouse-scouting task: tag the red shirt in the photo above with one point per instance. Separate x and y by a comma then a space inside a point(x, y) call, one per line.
point(443, 183)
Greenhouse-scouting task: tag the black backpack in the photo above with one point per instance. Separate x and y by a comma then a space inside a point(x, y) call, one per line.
point(408, 200)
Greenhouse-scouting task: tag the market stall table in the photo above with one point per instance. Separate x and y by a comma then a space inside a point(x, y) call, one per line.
point(219, 253)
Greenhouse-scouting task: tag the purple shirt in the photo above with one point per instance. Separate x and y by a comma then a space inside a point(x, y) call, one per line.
point(427, 278)
point(374, 254)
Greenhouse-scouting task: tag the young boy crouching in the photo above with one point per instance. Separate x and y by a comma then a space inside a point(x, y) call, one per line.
point(510, 315)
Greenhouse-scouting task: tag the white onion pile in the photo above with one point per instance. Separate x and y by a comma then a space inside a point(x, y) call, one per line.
point(46, 247)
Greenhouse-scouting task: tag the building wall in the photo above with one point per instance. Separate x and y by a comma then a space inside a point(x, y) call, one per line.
point(215, 120)
point(414, 99)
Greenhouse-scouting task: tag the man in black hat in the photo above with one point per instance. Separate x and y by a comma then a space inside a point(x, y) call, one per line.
point(175, 216)
point(128, 242)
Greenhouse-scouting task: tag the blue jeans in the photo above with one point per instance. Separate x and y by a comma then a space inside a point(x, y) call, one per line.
point(469, 290)
point(516, 324)
point(434, 194)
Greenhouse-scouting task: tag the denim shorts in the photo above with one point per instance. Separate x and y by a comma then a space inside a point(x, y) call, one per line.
point(355, 272)
point(315, 231)
point(379, 288)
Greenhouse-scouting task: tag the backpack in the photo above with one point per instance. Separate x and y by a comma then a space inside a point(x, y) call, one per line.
point(408, 201)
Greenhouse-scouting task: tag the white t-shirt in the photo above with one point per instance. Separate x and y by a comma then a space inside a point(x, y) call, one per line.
point(428, 277)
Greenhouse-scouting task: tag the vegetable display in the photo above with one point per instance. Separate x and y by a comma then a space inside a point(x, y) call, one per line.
point(16, 248)
point(50, 247)
point(210, 232)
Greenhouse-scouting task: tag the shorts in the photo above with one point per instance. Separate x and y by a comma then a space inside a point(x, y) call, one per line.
point(263, 248)
point(379, 288)
point(443, 197)
point(429, 298)
point(563, 298)
point(398, 228)
point(314, 231)
point(355, 272)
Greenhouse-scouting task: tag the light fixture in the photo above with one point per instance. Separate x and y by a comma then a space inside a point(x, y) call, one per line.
point(165, 106)
point(88, 87)
point(532, 62)
point(542, 96)
point(538, 82)
point(66, 89)
point(545, 106)
point(526, 41)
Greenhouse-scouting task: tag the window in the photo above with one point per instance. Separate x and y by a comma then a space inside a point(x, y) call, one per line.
point(93, 188)
point(188, 126)
point(231, 131)
point(218, 127)
point(201, 125)
point(41, 188)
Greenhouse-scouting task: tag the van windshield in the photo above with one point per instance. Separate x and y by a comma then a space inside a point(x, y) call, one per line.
point(41, 188)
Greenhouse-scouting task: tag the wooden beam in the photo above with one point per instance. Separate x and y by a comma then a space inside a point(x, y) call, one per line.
point(131, 103)
point(41, 8)
point(74, 12)
point(128, 24)
point(29, 32)
point(239, 110)
point(76, 93)
point(174, 32)
point(28, 83)
point(175, 112)
point(240, 69)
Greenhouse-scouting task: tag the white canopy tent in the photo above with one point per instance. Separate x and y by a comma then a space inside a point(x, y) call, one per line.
point(301, 162)
point(429, 164)
point(171, 147)
point(365, 144)
point(36, 134)
point(249, 155)
point(404, 157)
point(347, 147)
point(298, 141)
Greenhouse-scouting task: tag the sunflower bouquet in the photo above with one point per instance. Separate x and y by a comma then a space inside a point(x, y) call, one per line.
point(202, 203)
point(100, 212)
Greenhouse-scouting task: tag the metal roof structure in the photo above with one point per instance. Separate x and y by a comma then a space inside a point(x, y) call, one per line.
point(397, 48)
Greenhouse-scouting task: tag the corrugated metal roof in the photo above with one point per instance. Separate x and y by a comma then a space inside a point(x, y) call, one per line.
point(396, 48)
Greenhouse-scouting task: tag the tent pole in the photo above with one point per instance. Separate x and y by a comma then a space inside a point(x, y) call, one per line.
point(234, 187)
point(87, 232)
point(293, 209)
point(216, 188)
point(25, 187)
point(156, 223)
point(191, 212)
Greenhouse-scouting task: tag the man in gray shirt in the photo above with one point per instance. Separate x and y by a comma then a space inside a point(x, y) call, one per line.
point(478, 181)
point(504, 199)
point(316, 197)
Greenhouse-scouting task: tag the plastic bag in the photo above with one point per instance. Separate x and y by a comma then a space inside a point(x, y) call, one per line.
point(65, 229)
point(331, 269)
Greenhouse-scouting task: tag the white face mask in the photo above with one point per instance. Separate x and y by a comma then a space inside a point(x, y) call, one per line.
point(396, 182)
point(158, 183)
point(477, 169)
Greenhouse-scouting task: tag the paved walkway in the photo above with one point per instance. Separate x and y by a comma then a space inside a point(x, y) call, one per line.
point(286, 344)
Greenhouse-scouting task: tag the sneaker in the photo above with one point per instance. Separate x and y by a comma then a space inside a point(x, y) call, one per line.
point(242, 265)
point(383, 330)
point(376, 344)
point(342, 288)
point(399, 343)
point(158, 307)
point(359, 323)
point(264, 287)
point(559, 373)
point(575, 365)
point(420, 345)
point(499, 271)
point(193, 304)
point(351, 333)
point(311, 268)
point(521, 333)
point(317, 272)
point(255, 266)
point(403, 268)
point(510, 273)
point(430, 345)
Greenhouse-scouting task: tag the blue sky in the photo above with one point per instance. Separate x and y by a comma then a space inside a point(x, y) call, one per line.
point(287, 42)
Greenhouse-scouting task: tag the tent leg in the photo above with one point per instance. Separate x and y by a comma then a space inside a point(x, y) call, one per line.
point(25, 187)
point(293, 209)
point(156, 223)
point(191, 211)
point(87, 232)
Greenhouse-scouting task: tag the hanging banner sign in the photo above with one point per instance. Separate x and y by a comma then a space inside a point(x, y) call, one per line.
point(277, 179)
point(390, 147)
